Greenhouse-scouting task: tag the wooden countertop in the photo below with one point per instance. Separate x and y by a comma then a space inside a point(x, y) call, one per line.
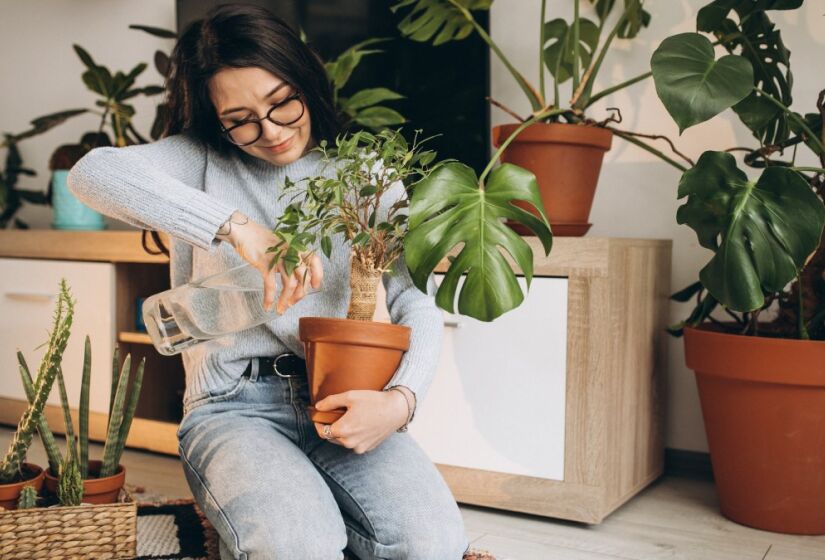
point(106, 246)
point(571, 256)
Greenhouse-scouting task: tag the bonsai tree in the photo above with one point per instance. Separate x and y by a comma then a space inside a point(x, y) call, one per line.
point(764, 231)
point(388, 200)
point(12, 463)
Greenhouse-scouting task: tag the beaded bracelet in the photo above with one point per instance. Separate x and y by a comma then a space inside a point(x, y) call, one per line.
point(410, 409)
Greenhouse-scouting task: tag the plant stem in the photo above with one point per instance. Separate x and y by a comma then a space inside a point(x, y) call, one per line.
point(813, 137)
point(610, 90)
point(535, 118)
point(651, 149)
point(575, 45)
point(541, 48)
point(803, 330)
point(531, 94)
point(582, 94)
point(810, 169)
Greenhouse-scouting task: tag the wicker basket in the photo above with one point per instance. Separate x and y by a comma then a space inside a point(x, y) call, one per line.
point(88, 532)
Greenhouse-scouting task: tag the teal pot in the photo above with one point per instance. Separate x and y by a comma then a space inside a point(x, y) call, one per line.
point(69, 212)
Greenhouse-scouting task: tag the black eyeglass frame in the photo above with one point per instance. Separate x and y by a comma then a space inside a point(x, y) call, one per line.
point(227, 132)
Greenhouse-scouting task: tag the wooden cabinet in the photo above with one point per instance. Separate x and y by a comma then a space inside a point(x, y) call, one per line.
point(555, 409)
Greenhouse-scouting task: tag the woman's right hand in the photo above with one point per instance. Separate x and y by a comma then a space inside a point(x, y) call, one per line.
point(251, 240)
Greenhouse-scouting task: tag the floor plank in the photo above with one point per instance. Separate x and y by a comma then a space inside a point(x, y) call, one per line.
point(675, 518)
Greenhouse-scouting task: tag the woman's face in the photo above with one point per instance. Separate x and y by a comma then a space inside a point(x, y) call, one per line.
point(240, 94)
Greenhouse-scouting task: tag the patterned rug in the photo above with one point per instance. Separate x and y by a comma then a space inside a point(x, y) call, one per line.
point(178, 530)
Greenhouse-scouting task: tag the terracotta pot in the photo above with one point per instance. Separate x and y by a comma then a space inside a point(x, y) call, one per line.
point(95, 490)
point(763, 401)
point(10, 493)
point(566, 160)
point(343, 354)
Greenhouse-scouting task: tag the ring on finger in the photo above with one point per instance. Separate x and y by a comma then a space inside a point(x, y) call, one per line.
point(328, 432)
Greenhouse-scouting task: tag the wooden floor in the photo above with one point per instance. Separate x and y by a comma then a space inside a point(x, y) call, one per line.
point(675, 518)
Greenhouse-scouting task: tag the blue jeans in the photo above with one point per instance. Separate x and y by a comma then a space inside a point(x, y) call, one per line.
point(273, 489)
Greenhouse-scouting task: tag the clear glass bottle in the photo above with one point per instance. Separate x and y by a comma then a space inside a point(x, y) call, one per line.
point(215, 306)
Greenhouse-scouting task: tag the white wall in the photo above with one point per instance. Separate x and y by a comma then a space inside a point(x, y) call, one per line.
point(40, 72)
point(637, 192)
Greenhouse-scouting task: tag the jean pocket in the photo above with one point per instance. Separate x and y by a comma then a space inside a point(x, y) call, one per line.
point(224, 393)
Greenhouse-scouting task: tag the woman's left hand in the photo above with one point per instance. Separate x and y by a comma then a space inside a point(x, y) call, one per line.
point(371, 417)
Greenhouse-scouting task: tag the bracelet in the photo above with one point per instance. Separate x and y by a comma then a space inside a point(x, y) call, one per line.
point(410, 408)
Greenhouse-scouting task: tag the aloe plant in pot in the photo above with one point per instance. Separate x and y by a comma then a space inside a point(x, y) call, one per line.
point(760, 371)
point(564, 149)
point(400, 213)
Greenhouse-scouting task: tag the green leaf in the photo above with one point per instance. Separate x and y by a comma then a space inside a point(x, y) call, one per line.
point(761, 233)
point(559, 49)
point(754, 36)
point(340, 69)
point(85, 57)
point(686, 294)
point(372, 96)
point(47, 122)
point(438, 20)
point(156, 31)
point(378, 117)
point(326, 246)
point(757, 113)
point(692, 85)
point(449, 210)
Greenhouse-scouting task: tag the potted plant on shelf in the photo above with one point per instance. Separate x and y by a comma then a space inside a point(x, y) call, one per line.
point(391, 206)
point(563, 148)
point(761, 371)
point(15, 473)
point(98, 481)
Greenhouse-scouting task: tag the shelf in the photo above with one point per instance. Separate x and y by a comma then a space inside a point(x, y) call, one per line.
point(134, 337)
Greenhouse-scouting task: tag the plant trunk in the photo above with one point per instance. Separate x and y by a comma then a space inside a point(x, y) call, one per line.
point(364, 285)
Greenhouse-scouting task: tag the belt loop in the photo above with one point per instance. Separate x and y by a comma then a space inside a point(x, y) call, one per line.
point(256, 366)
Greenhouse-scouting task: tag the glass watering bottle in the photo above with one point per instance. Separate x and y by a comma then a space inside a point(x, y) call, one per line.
point(215, 306)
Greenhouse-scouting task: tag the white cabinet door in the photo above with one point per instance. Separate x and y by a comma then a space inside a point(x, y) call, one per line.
point(498, 399)
point(28, 290)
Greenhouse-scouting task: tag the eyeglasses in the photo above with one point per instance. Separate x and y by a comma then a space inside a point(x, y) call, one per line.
point(284, 113)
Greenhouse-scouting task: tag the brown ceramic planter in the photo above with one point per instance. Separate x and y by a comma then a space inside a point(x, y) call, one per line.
point(763, 402)
point(566, 160)
point(10, 493)
point(95, 490)
point(343, 355)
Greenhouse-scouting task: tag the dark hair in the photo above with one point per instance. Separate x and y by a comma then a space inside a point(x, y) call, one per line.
point(241, 36)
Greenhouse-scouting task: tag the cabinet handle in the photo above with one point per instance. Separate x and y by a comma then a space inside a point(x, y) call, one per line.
point(30, 296)
point(451, 323)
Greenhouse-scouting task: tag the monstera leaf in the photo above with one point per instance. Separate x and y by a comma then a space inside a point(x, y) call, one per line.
point(761, 233)
point(756, 38)
point(438, 20)
point(449, 209)
point(559, 52)
point(692, 85)
point(637, 17)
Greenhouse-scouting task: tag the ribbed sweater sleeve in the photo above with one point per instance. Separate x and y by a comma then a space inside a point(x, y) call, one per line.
point(155, 186)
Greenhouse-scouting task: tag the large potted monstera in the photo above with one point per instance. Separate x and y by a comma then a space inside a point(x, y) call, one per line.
point(565, 148)
point(392, 208)
point(756, 338)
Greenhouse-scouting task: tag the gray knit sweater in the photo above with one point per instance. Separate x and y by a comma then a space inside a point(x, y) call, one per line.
point(180, 186)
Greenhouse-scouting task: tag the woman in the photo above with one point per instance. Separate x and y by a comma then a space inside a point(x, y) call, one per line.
point(248, 100)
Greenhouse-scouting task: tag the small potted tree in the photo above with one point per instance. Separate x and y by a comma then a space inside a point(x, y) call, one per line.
point(398, 213)
point(760, 360)
point(564, 148)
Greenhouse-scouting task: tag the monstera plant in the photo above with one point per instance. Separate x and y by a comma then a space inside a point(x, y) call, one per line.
point(755, 336)
point(563, 147)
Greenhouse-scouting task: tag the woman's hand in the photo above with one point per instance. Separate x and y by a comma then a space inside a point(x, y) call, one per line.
point(251, 240)
point(371, 417)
